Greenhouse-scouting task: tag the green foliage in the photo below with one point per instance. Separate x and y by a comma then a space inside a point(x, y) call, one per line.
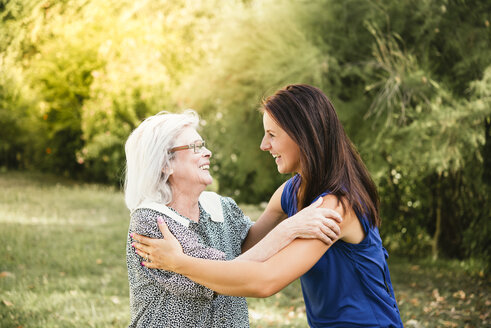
point(409, 79)
point(261, 48)
point(92, 71)
point(12, 116)
point(145, 53)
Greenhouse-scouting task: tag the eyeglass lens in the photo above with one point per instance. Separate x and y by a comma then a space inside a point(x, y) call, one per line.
point(198, 146)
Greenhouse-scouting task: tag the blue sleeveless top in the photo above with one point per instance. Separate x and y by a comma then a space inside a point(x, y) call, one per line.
point(350, 285)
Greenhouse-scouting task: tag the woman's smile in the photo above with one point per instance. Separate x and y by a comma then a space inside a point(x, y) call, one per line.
point(284, 150)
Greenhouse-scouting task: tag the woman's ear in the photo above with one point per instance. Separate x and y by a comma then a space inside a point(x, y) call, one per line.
point(168, 170)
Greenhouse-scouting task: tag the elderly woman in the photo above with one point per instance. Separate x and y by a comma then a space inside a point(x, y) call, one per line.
point(166, 175)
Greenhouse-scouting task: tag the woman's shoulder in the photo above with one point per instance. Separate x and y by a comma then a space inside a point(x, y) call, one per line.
point(228, 203)
point(353, 227)
point(141, 215)
point(288, 198)
point(145, 220)
point(233, 212)
point(144, 215)
point(221, 207)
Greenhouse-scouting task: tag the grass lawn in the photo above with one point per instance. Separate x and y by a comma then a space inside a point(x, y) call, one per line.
point(62, 264)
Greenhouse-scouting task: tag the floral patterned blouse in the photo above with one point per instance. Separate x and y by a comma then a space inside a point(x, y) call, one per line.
point(161, 298)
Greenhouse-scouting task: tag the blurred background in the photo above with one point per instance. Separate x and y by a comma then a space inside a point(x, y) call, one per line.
point(410, 80)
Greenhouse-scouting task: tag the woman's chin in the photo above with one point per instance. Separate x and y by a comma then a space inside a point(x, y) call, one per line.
point(208, 180)
point(281, 169)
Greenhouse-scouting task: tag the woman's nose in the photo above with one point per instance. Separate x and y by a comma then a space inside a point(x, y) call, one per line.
point(265, 145)
point(207, 152)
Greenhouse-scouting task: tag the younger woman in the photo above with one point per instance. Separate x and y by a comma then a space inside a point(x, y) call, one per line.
point(346, 284)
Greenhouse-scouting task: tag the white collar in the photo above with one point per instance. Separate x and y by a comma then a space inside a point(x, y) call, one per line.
point(210, 202)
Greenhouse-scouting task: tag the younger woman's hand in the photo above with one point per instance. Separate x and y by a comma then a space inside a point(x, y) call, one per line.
point(159, 253)
point(316, 222)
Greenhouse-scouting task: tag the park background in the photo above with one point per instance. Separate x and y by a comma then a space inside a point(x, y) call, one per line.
point(411, 82)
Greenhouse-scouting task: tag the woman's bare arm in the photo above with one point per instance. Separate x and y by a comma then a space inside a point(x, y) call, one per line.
point(272, 231)
point(250, 278)
point(244, 277)
point(270, 218)
point(312, 222)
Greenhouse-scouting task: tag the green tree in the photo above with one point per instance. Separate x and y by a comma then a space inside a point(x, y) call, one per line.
point(409, 79)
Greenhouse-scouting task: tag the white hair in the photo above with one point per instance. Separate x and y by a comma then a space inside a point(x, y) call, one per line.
point(147, 156)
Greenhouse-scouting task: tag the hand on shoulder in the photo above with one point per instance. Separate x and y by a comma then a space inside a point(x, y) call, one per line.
point(351, 229)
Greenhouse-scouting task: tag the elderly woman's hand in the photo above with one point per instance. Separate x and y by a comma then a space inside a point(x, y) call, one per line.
point(315, 222)
point(158, 253)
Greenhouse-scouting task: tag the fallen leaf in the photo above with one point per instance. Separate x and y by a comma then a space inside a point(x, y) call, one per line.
point(7, 303)
point(460, 295)
point(98, 261)
point(5, 274)
point(437, 296)
point(412, 324)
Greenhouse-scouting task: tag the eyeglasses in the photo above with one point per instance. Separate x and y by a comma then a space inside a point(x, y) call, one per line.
point(197, 147)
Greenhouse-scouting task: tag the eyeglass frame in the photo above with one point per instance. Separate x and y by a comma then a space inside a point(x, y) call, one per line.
point(193, 146)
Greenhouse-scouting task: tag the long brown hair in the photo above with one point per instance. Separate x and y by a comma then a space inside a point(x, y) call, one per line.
point(329, 161)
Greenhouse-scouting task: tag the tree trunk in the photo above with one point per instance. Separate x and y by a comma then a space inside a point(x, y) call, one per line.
point(438, 213)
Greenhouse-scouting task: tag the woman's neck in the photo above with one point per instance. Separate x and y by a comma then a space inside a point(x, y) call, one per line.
point(186, 204)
